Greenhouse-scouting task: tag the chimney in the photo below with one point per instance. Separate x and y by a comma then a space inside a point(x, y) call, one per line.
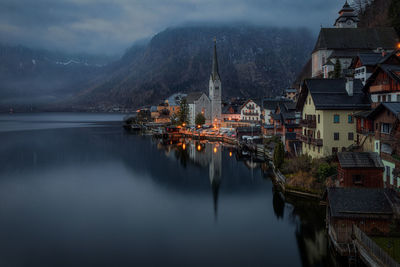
point(349, 86)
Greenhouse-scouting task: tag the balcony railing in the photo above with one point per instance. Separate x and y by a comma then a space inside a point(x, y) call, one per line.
point(379, 88)
point(308, 123)
point(365, 131)
point(250, 113)
point(310, 140)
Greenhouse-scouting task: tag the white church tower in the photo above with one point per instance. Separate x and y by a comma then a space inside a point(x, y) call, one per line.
point(215, 89)
point(347, 17)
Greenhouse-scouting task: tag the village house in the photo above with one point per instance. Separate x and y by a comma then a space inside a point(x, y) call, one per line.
point(384, 83)
point(231, 110)
point(328, 107)
point(286, 121)
point(251, 111)
point(360, 169)
point(372, 210)
point(364, 64)
point(385, 118)
point(346, 40)
point(365, 140)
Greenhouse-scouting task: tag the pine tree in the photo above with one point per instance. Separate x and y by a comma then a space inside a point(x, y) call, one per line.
point(183, 115)
point(279, 155)
point(337, 71)
point(200, 119)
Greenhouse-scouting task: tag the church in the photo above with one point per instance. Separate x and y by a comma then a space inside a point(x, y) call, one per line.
point(209, 106)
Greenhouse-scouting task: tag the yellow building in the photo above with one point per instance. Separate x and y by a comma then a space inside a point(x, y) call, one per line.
point(328, 107)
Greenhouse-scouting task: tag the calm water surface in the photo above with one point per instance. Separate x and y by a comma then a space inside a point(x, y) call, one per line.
point(76, 190)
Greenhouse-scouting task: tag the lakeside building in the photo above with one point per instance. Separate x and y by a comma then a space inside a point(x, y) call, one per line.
point(328, 107)
point(198, 102)
point(372, 210)
point(346, 40)
point(384, 83)
point(231, 110)
point(364, 64)
point(210, 106)
point(251, 111)
point(360, 169)
point(385, 119)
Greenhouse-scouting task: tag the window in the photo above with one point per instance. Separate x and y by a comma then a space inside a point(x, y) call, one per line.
point(383, 98)
point(313, 148)
point(343, 149)
point(387, 172)
point(335, 136)
point(319, 149)
point(319, 119)
point(386, 128)
point(389, 98)
point(357, 179)
point(334, 150)
point(318, 134)
point(351, 136)
point(309, 101)
point(379, 98)
point(398, 98)
point(350, 118)
point(336, 118)
point(376, 126)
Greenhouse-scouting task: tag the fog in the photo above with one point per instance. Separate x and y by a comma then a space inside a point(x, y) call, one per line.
point(109, 27)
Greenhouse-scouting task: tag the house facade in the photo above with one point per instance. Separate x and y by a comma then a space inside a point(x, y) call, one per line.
point(328, 107)
point(251, 111)
point(360, 169)
point(385, 118)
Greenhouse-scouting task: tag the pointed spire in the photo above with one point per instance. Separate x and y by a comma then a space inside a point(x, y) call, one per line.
point(215, 71)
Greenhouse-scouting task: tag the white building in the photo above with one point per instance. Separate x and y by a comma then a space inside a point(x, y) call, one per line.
point(215, 89)
point(198, 102)
point(250, 111)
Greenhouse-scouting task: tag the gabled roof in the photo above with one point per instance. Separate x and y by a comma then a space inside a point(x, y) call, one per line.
point(257, 101)
point(358, 202)
point(191, 97)
point(391, 70)
point(331, 94)
point(360, 160)
point(393, 107)
point(370, 59)
point(356, 39)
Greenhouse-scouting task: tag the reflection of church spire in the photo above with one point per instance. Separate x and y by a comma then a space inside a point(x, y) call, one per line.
point(215, 190)
point(215, 175)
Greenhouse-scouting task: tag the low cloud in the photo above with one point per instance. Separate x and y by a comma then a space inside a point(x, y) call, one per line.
point(108, 27)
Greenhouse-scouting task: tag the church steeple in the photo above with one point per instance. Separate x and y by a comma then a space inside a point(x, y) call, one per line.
point(347, 17)
point(215, 71)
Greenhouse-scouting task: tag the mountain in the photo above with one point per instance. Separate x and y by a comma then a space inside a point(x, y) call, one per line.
point(30, 79)
point(254, 61)
point(379, 13)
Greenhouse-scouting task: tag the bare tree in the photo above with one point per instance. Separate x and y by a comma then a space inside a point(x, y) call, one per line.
point(360, 5)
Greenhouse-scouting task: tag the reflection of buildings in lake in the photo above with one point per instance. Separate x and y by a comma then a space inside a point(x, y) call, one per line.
point(199, 153)
point(215, 173)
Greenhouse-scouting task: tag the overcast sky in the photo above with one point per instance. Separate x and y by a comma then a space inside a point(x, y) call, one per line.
point(111, 26)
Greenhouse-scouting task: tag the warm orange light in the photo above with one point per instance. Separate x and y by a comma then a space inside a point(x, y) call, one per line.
point(138, 110)
point(184, 146)
point(215, 150)
point(398, 46)
point(230, 154)
point(199, 147)
point(184, 124)
point(198, 126)
point(170, 142)
point(215, 119)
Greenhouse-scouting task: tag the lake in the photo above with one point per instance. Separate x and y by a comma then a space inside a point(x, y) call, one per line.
point(77, 190)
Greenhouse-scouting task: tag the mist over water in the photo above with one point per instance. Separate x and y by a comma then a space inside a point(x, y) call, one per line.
point(76, 190)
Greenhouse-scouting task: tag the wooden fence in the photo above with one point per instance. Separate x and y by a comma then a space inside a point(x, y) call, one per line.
point(373, 249)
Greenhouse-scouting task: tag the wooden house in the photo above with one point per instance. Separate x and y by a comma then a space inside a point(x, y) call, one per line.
point(370, 209)
point(360, 169)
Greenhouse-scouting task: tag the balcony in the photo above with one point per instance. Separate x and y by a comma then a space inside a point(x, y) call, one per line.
point(250, 113)
point(310, 140)
point(379, 88)
point(308, 123)
point(365, 131)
